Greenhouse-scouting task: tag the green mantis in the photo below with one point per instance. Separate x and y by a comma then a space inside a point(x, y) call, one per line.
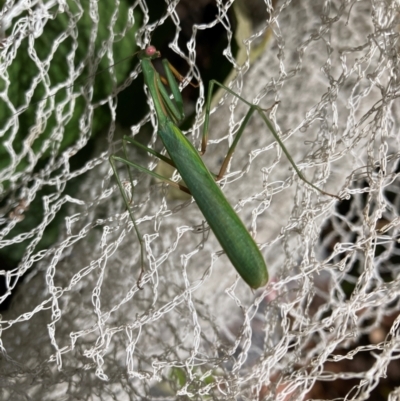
point(231, 233)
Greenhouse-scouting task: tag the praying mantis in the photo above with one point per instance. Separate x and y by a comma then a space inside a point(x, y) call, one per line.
point(230, 231)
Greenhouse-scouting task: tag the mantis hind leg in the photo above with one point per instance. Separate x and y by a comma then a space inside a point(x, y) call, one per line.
point(252, 108)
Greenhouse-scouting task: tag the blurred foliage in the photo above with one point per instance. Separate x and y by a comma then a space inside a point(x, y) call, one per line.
point(78, 48)
point(47, 142)
point(179, 377)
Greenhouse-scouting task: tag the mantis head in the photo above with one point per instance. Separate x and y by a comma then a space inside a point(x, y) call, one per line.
point(150, 52)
